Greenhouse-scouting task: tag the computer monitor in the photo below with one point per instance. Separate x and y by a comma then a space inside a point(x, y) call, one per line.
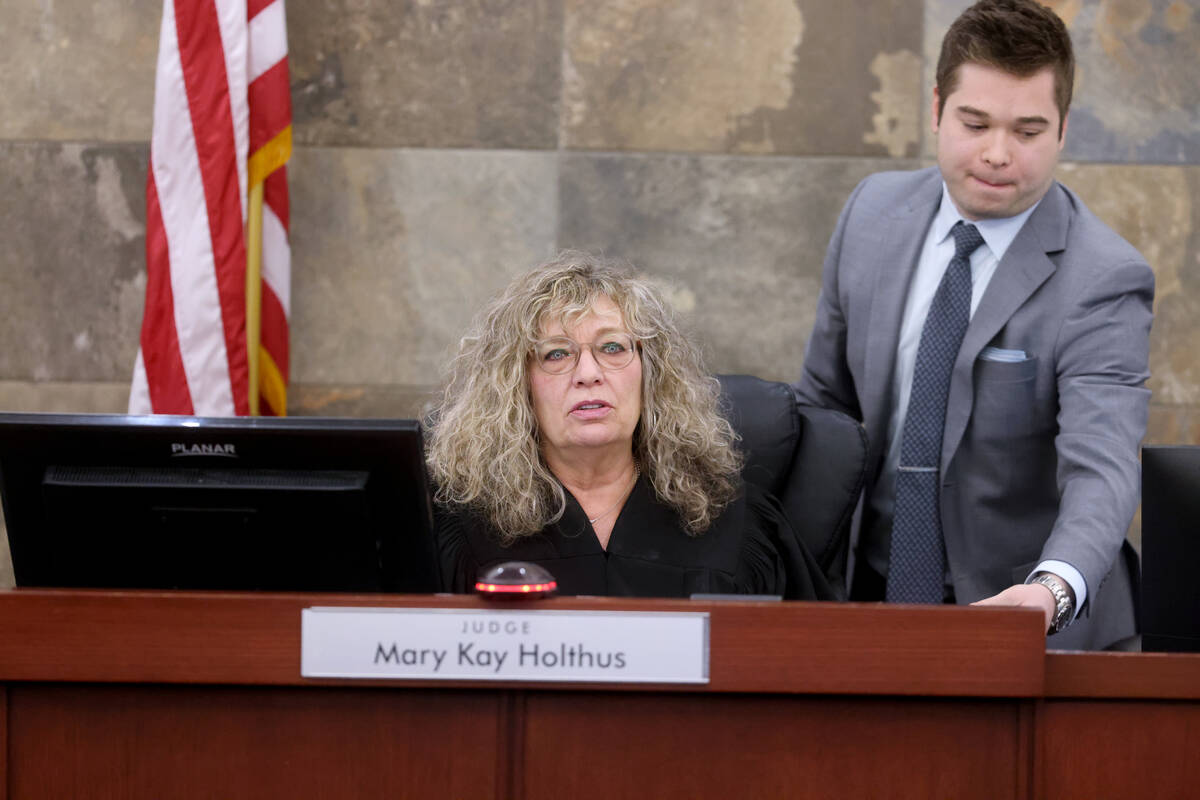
point(1170, 548)
point(174, 502)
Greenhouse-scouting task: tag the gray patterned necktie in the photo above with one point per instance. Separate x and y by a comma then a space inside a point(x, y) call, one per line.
point(917, 567)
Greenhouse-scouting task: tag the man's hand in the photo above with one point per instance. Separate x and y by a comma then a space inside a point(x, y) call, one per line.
point(1030, 595)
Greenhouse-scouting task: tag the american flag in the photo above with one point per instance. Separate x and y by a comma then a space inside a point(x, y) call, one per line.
point(221, 138)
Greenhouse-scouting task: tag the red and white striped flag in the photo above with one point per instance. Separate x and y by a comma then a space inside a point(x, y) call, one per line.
point(216, 189)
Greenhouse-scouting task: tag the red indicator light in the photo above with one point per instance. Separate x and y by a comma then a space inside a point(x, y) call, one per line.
point(515, 580)
point(526, 588)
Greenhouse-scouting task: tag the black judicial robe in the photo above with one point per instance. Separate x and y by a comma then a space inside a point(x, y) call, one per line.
point(749, 549)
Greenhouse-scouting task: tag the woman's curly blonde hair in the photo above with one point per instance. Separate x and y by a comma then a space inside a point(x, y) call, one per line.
point(483, 444)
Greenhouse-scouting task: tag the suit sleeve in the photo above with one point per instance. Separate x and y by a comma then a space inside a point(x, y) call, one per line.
point(1102, 362)
point(825, 379)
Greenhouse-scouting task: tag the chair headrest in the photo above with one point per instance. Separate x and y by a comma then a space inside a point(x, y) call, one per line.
point(764, 414)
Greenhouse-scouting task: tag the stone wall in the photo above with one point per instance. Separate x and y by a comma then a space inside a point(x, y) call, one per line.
point(443, 146)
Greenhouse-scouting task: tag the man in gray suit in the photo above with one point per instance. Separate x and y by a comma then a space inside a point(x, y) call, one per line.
point(1038, 401)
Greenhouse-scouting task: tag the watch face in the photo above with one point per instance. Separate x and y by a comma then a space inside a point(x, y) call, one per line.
point(1062, 618)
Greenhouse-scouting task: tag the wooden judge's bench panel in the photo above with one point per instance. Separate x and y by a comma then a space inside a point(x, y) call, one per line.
point(734, 746)
point(191, 695)
point(121, 741)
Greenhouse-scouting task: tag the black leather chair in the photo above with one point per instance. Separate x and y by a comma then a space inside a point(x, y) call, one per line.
point(812, 459)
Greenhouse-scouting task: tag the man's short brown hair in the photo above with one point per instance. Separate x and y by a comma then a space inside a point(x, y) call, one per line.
point(1020, 37)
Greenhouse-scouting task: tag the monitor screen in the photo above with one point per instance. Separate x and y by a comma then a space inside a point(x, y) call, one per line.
point(171, 502)
point(1170, 547)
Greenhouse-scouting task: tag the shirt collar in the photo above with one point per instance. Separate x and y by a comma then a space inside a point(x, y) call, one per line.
point(997, 234)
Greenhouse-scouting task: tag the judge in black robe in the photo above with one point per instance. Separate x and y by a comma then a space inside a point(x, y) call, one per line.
point(579, 430)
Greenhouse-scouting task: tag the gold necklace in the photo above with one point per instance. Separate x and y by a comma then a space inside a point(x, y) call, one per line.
point(621, 499)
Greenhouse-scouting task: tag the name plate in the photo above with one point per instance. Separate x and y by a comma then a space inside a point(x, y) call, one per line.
point(502, 645)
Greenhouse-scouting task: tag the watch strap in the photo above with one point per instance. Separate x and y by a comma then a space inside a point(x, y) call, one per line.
point(1064, 605)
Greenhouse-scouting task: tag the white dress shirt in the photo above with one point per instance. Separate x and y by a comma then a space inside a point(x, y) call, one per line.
point(935, 257)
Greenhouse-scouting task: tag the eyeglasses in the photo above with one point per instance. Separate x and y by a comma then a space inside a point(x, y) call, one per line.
point(557, 355)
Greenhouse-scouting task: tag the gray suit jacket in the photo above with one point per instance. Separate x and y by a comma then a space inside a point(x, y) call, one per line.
point(1040, 457)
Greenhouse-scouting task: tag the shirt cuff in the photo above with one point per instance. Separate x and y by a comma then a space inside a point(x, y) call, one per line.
point(1069, 574)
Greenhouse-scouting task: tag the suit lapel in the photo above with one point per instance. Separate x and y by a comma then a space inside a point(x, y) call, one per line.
point(1024, 268)
point(896, 261)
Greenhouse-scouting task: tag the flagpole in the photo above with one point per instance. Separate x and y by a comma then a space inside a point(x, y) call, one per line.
point(254, 223)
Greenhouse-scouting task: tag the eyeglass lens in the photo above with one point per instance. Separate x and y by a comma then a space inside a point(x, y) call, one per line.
point(560, 354)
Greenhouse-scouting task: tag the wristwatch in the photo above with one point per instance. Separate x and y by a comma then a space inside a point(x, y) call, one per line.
point(1064, 601)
